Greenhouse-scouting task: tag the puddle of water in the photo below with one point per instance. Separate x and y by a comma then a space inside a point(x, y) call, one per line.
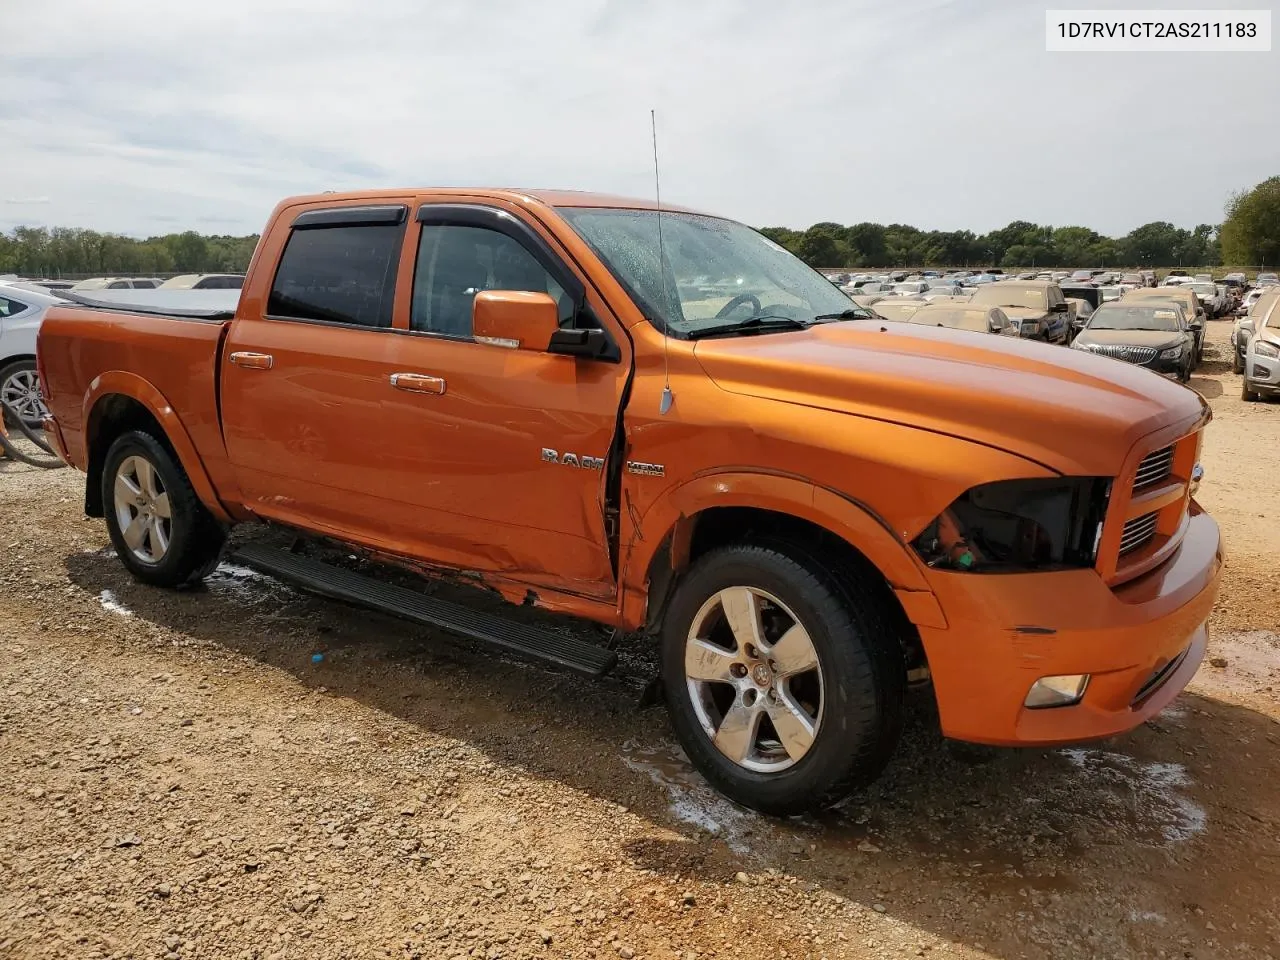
point(109, 602)
point(1146, 916)
point(1146, 797)
point(693, 800)
point(248, 583)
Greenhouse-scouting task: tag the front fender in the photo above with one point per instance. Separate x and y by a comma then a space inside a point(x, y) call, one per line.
point(781, 493)
point(144, 392)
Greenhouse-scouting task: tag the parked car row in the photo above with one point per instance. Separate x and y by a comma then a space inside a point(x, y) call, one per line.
point(1160, 328)
point(186, 281)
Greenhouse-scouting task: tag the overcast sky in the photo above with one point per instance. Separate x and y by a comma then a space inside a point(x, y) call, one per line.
point(148, 117)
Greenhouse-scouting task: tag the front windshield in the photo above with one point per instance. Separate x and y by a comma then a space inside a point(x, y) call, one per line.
point(739, 273)
point(1205, 289)
point(1013, 295)
point(1117, 317)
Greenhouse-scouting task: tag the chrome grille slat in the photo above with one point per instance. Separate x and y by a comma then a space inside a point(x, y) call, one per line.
point(1131, 354)
point(1137, 532)
point(1154, 467)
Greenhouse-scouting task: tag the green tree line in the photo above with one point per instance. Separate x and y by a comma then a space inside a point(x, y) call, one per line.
point(52, 253)
point(1020, 244)
point(1249, 235)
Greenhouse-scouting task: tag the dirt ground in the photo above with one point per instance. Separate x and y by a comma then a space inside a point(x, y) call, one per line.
point(246, 771)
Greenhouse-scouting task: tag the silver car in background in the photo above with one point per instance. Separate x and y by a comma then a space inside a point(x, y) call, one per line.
point(1262, 353)
point(1245, 327)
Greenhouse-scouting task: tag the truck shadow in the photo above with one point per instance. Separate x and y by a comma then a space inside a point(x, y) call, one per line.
point(1118, 846)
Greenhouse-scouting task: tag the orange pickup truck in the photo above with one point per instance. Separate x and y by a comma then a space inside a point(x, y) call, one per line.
point(662, 421)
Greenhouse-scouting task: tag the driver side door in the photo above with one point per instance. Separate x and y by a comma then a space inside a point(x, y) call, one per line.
point(507, 448)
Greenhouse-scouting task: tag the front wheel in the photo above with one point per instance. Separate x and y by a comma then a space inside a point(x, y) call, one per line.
point(1247, 395)
point(1237, 361)
point(163, 533)
point(784, 687)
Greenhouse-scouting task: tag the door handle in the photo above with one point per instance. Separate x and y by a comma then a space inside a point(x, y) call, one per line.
point(252, 361)
point(418, 383)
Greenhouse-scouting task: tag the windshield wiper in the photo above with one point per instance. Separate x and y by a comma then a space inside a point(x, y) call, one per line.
point(856, 313)
point(762, 322)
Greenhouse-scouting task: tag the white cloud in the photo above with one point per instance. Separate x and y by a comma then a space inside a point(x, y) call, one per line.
point(151, 115)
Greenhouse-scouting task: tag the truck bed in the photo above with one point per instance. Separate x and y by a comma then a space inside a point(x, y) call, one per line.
point(88, 353)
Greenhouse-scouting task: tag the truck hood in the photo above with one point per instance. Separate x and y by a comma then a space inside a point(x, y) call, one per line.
point(1066, 409)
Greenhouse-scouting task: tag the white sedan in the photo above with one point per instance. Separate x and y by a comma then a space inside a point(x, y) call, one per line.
point(21, 311)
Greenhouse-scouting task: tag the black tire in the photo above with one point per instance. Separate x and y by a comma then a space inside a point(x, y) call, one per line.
point(195, 539)
point(8, 371)
point(1184, 375)
point(1247, 395)
point(1237, 361)
point(855, 637)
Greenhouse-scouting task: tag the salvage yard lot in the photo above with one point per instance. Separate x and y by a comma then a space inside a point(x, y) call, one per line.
point(181, 779)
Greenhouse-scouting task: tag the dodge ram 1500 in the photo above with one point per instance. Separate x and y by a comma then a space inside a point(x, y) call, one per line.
point(664, 422)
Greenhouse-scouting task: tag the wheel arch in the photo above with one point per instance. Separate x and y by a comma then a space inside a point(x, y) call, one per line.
point(117, 402)
point(725, 508)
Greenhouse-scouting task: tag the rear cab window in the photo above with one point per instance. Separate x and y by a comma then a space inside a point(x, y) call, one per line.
point(339, 266)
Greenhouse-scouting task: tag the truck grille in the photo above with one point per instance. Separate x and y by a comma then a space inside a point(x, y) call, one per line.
point(1130, 354)
point(1137, 532)
point(1154, 467)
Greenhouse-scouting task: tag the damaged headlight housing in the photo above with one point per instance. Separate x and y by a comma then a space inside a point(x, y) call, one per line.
point(1018, 526)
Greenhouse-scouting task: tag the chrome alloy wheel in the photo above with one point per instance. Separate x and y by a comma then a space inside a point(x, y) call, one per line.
point(754, 679)
point(142, 509)
point(21, 391)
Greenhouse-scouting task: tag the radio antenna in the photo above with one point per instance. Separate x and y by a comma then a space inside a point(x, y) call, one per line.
point(667, 397)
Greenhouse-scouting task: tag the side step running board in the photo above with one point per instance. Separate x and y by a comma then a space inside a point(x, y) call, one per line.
point(331, 581)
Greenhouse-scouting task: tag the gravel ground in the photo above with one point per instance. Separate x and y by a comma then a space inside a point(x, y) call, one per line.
point(180, 778)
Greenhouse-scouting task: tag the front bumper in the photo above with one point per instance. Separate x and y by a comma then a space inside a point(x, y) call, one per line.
point(1140, 643)
point(1263, 374)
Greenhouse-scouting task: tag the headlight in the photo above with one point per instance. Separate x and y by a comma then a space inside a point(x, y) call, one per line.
point(1014, 525)
point(1264, 349)
point(1173, 353)
point(1030, 326)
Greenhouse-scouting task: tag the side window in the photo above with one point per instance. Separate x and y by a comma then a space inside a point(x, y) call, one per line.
point(10, 308)
point(1055, 296)
point(118, 285)
point(145, 284)
point(338, 274)
point(456, 262)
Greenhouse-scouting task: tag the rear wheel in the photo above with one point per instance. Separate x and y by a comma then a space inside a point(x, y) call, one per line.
point(163, 533)
point(784, 688)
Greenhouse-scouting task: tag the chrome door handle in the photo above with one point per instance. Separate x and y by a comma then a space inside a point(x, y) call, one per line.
point(418, 383)
point(252, 361)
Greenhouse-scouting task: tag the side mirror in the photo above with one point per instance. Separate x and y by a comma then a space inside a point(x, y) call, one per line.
point(1058, 308)
point(515, 319)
